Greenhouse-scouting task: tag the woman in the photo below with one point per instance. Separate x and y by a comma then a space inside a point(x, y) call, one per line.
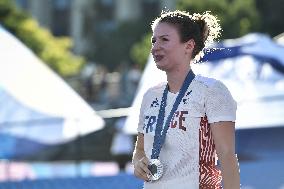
point(186, 121)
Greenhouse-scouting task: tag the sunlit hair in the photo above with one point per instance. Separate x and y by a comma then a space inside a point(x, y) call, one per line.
point(202, 28)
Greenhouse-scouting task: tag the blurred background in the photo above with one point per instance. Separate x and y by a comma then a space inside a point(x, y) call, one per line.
point(72, 74)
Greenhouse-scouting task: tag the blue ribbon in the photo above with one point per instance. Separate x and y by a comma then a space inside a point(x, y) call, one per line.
point(160, 133)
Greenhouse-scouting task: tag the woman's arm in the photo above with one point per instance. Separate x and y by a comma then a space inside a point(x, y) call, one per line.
point(224, 138)
point(139, 159)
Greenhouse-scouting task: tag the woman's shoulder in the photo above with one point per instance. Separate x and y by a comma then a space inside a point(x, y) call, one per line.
point(212, 86)
point(207, 82)
point(156, 89)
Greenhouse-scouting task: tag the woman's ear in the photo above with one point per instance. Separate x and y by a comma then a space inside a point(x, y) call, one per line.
point(189, 46)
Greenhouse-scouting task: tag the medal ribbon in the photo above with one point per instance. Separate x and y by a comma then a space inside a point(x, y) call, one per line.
point(160, 133)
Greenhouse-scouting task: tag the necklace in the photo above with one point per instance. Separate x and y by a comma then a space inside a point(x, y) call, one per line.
point(160, 132)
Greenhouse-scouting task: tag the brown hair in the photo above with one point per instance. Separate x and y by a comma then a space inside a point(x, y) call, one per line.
point(202, 28)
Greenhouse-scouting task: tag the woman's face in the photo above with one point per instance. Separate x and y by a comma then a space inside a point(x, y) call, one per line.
point(167, 50)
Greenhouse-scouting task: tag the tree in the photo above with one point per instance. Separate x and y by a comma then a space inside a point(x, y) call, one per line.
point(113, 47)
point(140, 51)
point(237, 17)
point(55, 51)
point(271, 16)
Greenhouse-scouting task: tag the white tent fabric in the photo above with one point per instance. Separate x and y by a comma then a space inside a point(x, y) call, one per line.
point(256, 86)
point(38, 104)
point(279, 39)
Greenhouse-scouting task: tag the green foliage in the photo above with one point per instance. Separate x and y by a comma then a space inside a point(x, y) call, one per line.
point(237, 17)
point(113, 47)
point(271, 16)
point(140, 51)
point(55, 51)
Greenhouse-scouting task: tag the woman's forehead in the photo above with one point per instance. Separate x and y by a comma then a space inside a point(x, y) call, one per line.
point(164, 29)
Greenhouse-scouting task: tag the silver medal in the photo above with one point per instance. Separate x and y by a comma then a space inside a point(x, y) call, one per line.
point(156, 169)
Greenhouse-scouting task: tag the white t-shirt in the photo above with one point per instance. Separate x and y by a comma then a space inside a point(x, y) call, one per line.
point(188, 154)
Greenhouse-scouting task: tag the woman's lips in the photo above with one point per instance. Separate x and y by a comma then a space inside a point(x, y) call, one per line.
point(158, 58)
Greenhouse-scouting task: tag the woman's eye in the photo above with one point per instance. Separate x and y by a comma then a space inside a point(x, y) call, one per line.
point(153, 41)
point(165, 39)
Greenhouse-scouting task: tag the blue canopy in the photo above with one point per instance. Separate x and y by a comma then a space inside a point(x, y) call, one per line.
point(258, 45)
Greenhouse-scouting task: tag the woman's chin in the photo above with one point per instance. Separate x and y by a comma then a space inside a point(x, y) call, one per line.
point(160, 66)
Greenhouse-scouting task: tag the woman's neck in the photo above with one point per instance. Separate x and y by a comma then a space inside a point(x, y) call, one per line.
point(176, 78)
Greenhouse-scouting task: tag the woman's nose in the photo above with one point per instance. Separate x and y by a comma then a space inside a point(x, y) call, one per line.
point(155, 47)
